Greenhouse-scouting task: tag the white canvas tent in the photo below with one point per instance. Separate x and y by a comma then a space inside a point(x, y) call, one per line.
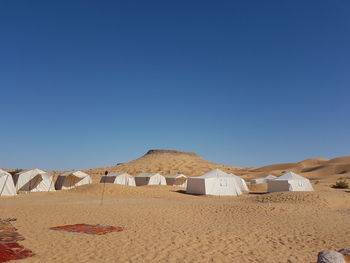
point(7, 187)
point(71, 180)
point(179, 180)
point(241, 183)
point(150, 179)
point(118, 178)
point(34, 180)
point(263, 180)
point(215, 182)
point(289, 182)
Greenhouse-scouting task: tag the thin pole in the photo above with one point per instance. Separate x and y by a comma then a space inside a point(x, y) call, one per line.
point(103, 189)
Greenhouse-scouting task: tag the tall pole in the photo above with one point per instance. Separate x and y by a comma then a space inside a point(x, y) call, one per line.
point(103, 189)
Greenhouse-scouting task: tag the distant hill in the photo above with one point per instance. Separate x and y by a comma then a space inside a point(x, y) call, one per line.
point(191, 164)
point(166, 162)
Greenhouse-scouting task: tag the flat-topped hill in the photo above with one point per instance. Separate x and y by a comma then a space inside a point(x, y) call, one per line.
point(172, 152)
point(166, 162)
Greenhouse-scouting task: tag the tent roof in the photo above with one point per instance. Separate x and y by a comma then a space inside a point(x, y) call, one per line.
point(270, 176)
point(36, 171)
point(75, 173)
point(175, 176)
point(147, 174)
point(213, 174)
point(4, 173)
point(290, 176)
point(112, 174)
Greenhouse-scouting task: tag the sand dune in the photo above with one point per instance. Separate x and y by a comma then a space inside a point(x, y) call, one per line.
point(345, 159)
point(313, 161)
point(277, 167)
point(190, 164)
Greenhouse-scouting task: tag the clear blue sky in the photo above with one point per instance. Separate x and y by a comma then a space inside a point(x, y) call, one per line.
point(94, 83)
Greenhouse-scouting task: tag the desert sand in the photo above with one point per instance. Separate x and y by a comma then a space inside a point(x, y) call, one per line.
point(163, 224)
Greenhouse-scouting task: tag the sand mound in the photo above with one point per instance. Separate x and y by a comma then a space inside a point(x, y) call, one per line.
point(96, 189)
point(165, 162)
point(324, 171)
point(345, 159)
point(311, 198)
point(329, 198)
point(277, 167)
point(313, 161)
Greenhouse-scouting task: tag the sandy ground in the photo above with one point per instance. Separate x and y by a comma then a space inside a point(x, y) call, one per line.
point(165, 225)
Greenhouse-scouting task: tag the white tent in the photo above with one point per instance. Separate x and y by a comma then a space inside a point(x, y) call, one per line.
point(34, 180)
point(118, 178)
point(72, 179)
point(215, 182)
point(241, 183)
point(263, 180)
point(179, 180)
point(7, 187)
point(150, 179)
point(289, 182)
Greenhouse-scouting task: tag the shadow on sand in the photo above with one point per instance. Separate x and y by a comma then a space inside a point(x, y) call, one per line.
point(258, 193)
point(184, 192)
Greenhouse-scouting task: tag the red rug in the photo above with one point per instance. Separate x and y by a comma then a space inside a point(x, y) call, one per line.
point(89, 229)
point(9, 247)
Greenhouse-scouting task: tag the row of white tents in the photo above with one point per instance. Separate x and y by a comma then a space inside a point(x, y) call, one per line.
point(37, 180)
point(215, 182)
point(145, 179)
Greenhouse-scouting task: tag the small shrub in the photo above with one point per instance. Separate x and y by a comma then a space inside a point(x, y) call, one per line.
point(341, 184)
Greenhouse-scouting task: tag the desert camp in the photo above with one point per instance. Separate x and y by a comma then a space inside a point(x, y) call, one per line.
point(108, 200)
point(174, 131)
